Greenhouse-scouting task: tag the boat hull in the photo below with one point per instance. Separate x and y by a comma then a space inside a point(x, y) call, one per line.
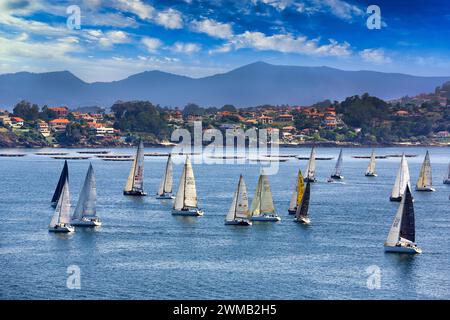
point(425, 189)
point(447, 181)
point(266, 218)
point(395, 199)
point(61, 229)
point(191, 212)
point(54, 204)
point(403, 249)
point(166, 196)
point(86, 223)
point(337, 177)
point(238, 222)
point(292, 211)
point(371, 175)
point(134, 193)
point(303, 220)
point(310, 179)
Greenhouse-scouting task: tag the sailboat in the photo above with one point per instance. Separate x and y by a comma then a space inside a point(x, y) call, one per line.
point(301, 215)
point(447, 178)
point(401, 181)
point(85, 214)
point(61, 218)
point(262, 208)
point(297, 194)
point(239, 214)
point(185, 203)
point(425, 180)
point(135, 182)
point(337, 175)
point(401, 237)
point(62, 179)
point(165, 188)
point(311, 168)
point(370, 172)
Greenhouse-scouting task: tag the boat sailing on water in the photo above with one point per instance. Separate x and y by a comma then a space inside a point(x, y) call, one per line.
point(301, 215)
point(297, 194)
point(447, 178)
point(61, 218)
point(135, 182)
point(185, 203)
point(165, 188)
point(262, 208)
point(337, 175)
point(239, 214)
point(402, 235)
point(425, 180)
point(311, 168)
point(85, 214)
point(401, 181)
point(370, 172)
point(62, 180)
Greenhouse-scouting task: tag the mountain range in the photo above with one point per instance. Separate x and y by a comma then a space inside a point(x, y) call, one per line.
point(251, 85)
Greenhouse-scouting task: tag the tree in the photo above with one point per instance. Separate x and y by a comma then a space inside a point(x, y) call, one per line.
point(193, 109)
point(229, 108)
point(46, 114)
point(26, 111)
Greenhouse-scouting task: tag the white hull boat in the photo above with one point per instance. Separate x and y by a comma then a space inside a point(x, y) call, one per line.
point(266, 218)
point(425, 180)
point(189, 212)
point(62, 228)
point(165, 188)
point(87, 222)
point(166, 196)
point(185, 203)
point(403, 249)
point(304, 220)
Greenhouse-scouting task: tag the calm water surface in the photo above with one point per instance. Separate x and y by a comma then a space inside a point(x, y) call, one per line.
point(143, 252)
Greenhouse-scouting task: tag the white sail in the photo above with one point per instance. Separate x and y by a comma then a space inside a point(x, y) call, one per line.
point(135, 180)
point(262, 201)
point(338, 167)
point(62, 211)
point(394, 232)
point(372, 164)
point(293, 202)
point(425, 179)
point(402, 179)
point(311, 168)
point(166, 182)
point(86, 206)
point(187, 193)
point(239, 205)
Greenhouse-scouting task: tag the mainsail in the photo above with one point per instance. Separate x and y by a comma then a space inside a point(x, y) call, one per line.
point(311, 168)
point(371, 167)
point(402, 179)
point(262, 201)
point(425, 180)
point(86, 206)
point(403, 226)
point(135, 180)
point(338, 167)
point(298, 192)
point(302, 209)
point(239, 205)
point(62, 211)
point(166, 182)
point(62, 180)
point(187, 193)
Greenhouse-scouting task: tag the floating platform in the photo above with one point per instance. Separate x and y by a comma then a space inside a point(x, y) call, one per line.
point(156, 154)
point(118, 159)
point(12, 155)
point(269, 160)
point(281, 156)
point(317, 158)
point(226, 157)
point(70, 157)
point(115, 156)
point(368, 157)
point(51, 153)
point(400, 155)
point(94, 152)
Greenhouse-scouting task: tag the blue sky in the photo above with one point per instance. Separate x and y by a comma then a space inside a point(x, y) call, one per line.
point(198, 38)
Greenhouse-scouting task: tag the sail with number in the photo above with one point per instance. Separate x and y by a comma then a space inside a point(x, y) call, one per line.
point(371, 167)
point(338, 167)
point(187, 192)
point(62, 211)
point(401, 180)
point(302, 209)
point(135, 182)
point(62, 180)
point(166, 183)
point(425, 179)
point(298, 192)
point(403, 227)
point(86, 206)
point(239, 205)
point(311, 168)
point(262, 201)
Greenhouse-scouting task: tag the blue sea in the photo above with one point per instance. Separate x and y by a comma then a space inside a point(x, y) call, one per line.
point(143, 252)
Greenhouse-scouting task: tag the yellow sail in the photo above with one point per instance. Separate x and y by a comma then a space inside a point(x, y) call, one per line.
point(300, 188)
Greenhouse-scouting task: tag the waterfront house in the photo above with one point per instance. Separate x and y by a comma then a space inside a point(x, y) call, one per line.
point(16, 122)
point(5, 120)
point(61, 112)
point(59, 125)
point(43, 128)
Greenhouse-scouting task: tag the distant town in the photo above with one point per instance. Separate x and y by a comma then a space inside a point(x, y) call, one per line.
point(358, 120)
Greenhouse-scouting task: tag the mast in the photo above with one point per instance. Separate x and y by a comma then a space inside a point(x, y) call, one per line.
point(187, 193)
point(402, 179)
point(371, 167)
point(425, 178)
point(239, 205)
point(86, 205)
point(135, 180)
point(311, 168)
point(302, 209)
point(166, 183)
point(62, 179)
point(256, 202)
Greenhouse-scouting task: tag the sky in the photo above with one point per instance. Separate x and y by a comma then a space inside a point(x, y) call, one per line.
point(118, 38)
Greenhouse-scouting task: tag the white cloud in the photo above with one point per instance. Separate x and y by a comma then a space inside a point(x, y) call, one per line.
point(377, 56)
point(187, 48)
point(107, 39)
point(213, 28)
point(137, 7)
point(151, 44)
point(170, 19)
point(285, 43)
